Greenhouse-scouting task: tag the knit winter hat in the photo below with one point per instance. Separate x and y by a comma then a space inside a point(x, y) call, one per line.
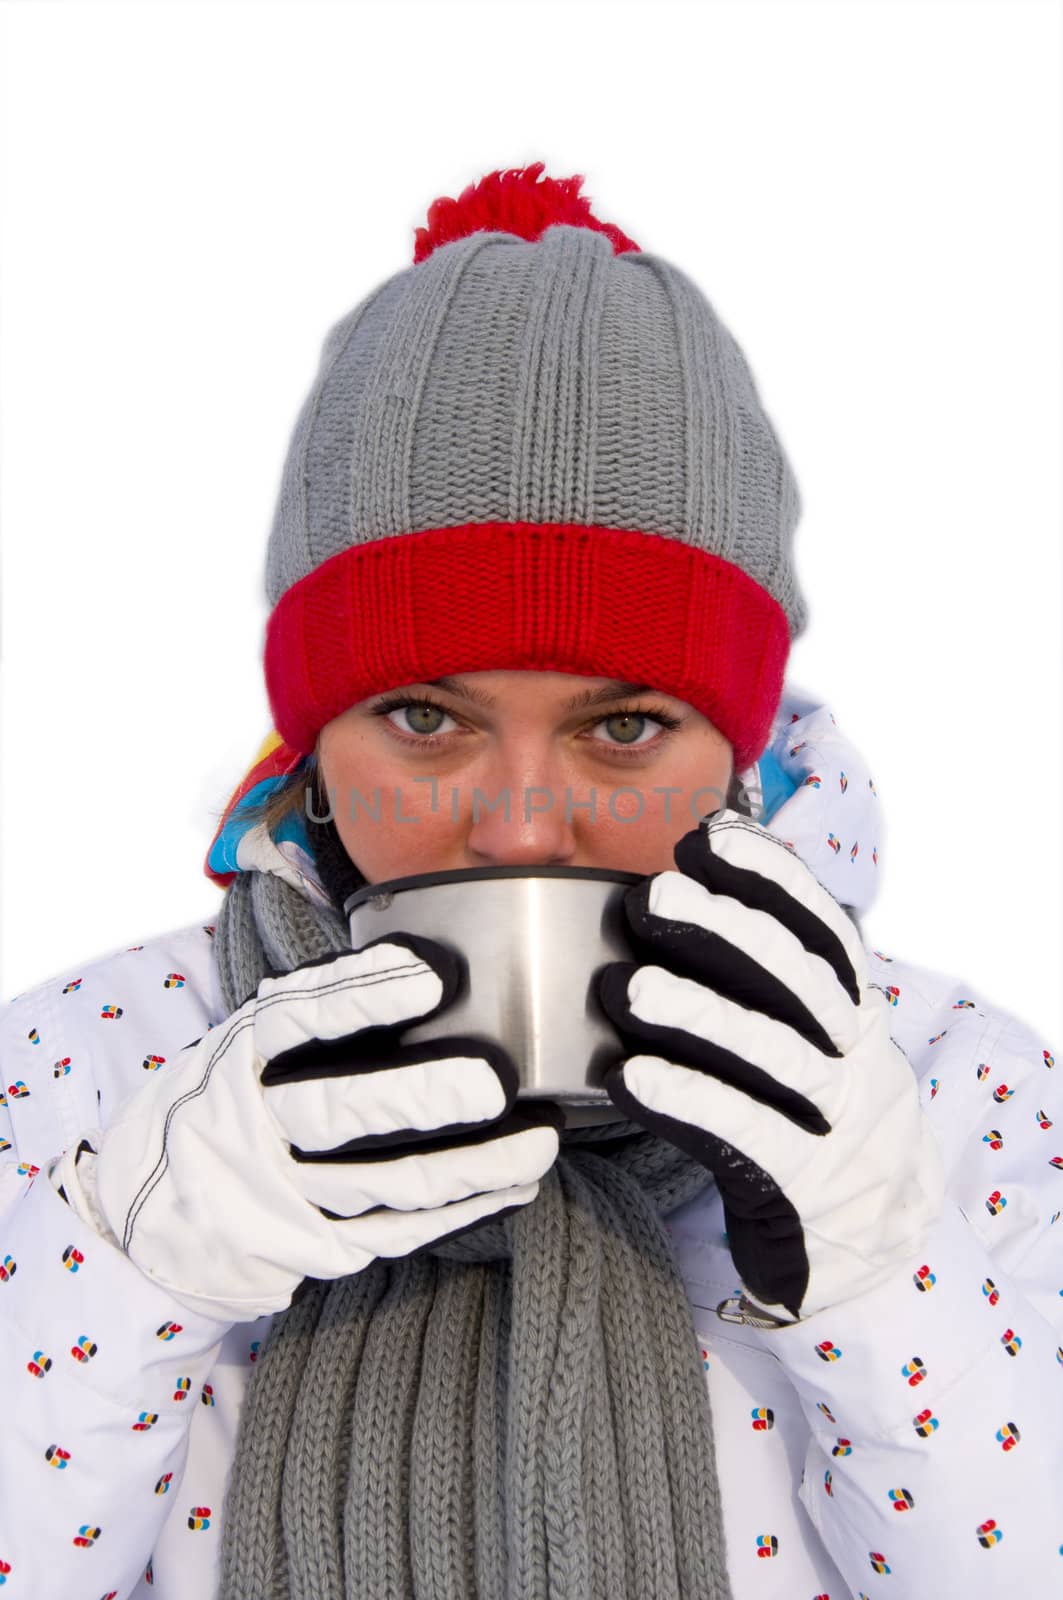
point(538, 447)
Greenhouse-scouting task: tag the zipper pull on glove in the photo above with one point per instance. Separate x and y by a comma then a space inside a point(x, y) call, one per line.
point(756, 1043)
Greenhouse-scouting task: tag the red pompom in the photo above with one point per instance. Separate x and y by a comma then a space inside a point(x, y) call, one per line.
point(512, 201)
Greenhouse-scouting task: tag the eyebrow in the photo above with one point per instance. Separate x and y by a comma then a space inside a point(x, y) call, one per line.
point(587, 697)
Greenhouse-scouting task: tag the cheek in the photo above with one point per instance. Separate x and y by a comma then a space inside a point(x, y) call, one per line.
point(384, 818)
point(640, 816)
point(691, 780)
point(395, 849)
point(638, 824)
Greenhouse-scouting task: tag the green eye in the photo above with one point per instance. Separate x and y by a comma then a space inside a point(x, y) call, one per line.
point(423, 718)
point(626, 726)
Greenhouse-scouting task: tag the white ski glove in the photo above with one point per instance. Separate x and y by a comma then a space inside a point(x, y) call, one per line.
point(757, 1043)
point(299, 1138)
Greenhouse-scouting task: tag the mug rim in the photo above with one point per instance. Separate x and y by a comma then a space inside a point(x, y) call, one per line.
point(422, 880)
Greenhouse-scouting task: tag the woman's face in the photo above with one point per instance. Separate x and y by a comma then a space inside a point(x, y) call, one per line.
point(519, 769)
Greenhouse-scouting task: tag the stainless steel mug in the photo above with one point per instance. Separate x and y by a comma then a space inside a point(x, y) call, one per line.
point(530, 943)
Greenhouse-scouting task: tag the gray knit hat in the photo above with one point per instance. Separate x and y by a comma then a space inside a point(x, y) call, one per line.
point(538, 447)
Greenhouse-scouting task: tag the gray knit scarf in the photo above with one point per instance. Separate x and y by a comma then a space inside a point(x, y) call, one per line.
point(517, 1414)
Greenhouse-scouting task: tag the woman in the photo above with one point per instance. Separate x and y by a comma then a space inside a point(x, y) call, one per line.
point(786, 1324)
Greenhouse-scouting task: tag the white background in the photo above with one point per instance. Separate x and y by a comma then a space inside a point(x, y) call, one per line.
point(192, 194)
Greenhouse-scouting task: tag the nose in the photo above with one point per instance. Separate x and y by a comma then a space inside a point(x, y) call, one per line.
point(519, 817)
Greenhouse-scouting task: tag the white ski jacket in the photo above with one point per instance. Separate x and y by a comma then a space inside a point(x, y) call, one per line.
point(905, 1444)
